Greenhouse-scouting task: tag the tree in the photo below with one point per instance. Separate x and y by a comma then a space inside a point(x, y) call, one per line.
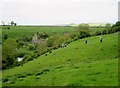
point(9, 50)
point(15, 24)
point(117, 24)
point(83, 30)
point(83, 27)
point(104, 32)
point(3, 23)
point(84, 34)
point(50, 41)
point(43, 35)
point(59, 41)
point(108, 26)
point(41, 47)
point(98, 33)
point(12, 23)
point(116, 27)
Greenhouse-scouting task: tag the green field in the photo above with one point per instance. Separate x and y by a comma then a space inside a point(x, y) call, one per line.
point(78, 64)
point(19, 31)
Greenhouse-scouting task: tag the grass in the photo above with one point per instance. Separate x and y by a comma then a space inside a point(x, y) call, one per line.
point(19, 31)
point(79, 64)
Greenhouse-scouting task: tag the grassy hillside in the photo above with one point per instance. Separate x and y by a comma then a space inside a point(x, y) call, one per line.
point(78, 64)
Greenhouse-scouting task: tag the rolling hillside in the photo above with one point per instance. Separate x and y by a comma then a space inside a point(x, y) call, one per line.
point(78, 64)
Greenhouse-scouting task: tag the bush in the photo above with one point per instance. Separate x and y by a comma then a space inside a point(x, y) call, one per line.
point(21, 43)
point(76, 38)
point(8, 52)
point(32, 47)
point(104, 32)
point(98, 33)
point(84, 34)
point(50, 41)
point(41, 47)
point(115, 27)
point(27, 38)
point(112, 30)
point(35, 55)
point(5, 80)
point(68, 41)
point(42, 35)
point(5, 36)
point(8, 27)
point(46, 54)
point(21, 53)
point(27, 58)
point(39, 73)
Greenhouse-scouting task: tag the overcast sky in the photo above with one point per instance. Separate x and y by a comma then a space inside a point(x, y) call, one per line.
point(59, 11)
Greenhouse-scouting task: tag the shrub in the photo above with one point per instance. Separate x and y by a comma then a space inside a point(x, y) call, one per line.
point(8, 27)
point(21, 43)
point(84, 34)
point(27, 38)
point(41, 46)
point(39, 73)
point(98, 33)
point(27, 58)
point(5, 80)
point(115, 27)
point(104, 32)
point(34, 55)
point(46, 54)
point(5, 36)
point(51, 40)
point(112, 30)
point(21, 53)
point(42, 35)
point(29, 74)
point(51, 50)
point(9, 50)
point(76, 38)
point(32, 47)
point(46, 70)
point(18, 64)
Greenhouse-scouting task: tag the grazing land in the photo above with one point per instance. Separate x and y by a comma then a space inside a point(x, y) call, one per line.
point(78, 64)
point(19, 31)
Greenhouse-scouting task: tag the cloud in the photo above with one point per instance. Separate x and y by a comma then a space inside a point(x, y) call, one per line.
point(59, 11)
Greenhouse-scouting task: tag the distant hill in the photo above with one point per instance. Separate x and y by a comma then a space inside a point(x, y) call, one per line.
point(92, 24)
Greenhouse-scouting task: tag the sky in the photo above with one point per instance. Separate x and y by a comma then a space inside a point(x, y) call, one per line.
point(47, 12)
